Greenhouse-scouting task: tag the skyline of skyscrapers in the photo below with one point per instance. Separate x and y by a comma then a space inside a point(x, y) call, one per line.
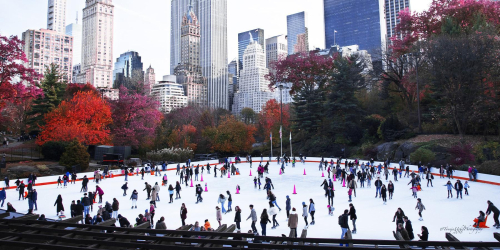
point(359, 22)
point(97, 43)
point(276, 48)
point(297, 33)
point(392, 9)
point(75, 30)
point(178, 8)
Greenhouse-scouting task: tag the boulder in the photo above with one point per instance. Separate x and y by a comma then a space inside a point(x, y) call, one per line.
point(404, 151)
point(21, 171)
point(386, 150)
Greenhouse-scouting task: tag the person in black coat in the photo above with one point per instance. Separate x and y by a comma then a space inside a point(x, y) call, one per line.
point(237, 217)
point(21, 190)
point(78, 208)
point(492, 208)
point(425, 234)
point(352, 215)
point(398, 217)
point(408, 227)
point(34, 198)
point(123, 221)
point(85, 181)
point(59, 204)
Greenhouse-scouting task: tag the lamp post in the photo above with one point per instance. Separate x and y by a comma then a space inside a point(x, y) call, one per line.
point(417, 59)
point(281, 87)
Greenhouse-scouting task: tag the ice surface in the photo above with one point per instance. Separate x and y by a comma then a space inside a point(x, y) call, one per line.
point(374, 218)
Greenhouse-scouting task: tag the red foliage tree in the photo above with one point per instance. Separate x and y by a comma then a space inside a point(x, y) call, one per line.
point(231, 136)
point(14, 75)
point(269, 119)
point(86, 118)
point(135, 117)
point(183, 137)
point(73, 88)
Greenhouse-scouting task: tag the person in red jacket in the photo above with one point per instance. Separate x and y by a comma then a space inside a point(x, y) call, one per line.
point(183, 214)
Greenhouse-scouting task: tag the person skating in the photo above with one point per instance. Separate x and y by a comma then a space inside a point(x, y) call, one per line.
point(449, 187)
point(466, 187)
point(398, 217)
point(253, 216)
point(312, 210)
point(480, 218)
point(429, 177)
point(494, 209)
point(288, 207)
point(21, 190)
point(222, 200)
point(305, 213)
point(264, 219)
point(171, 193)
point(378, 186)
point(403, 232)
point(164, 180)
point(178, 191)
point(408, 227)
point(100, 192)
point(390, 189)
point(344, 225)
point(383, 193)
point(218, 215)
point(115, 206)
point(272, 199)
point(229, 201)
point(3, 196)
point(293, 222)
point(459, 187)
point(183, 213)
point(59, 204)
point(134, 197)
point(273, 212)
point(199, 191)
point(420, 206)
point(353, 217)
point(255, 182)
point(125, 187)
point(237, 217)
point(330, 195)
point(425, 234)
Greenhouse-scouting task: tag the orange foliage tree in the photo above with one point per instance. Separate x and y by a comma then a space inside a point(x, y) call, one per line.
point(231, 136)
point(269, 120)
point(183, 137)
point(86, 118)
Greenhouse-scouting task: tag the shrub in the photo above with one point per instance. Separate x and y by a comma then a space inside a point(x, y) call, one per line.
point(391, 129)
point(489, 167)
point(422, 155)
point(171, 154)
point(487, 151)
point(461, 154)
point(75, 154)
point(53, 150)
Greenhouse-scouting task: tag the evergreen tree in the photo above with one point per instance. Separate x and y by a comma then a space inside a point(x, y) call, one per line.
point(75, 154)
point(343, 111)
point(53, 87)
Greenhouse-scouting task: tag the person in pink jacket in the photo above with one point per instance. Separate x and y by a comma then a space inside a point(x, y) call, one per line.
point(99, 191)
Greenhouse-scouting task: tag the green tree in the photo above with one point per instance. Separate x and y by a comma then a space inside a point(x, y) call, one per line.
point(344, 113)
point(75, 154)
point(248, 115)
point(53, 87)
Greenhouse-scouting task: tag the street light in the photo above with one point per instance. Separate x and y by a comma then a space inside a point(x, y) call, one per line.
point(417, 59)
point(281, 86)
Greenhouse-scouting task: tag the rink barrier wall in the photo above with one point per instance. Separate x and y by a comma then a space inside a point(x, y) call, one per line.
point(458, 174)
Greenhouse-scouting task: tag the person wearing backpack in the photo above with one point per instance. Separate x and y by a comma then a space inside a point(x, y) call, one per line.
point(344, 225)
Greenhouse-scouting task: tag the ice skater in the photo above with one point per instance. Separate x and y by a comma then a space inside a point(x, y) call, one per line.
point(420, 206)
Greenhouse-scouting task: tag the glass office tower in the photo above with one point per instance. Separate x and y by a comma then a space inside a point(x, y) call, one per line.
point(297, 33)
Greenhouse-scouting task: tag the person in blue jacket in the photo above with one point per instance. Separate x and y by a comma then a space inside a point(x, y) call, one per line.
point(288, 207)
point(3, 196)
point(312, 210)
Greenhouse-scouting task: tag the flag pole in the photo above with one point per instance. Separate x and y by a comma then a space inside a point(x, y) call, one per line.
point(271, 141)
point(281, 139)
point(291, 152)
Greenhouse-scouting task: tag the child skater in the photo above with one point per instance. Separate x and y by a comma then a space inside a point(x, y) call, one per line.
point(330, 210)
point(466, 187)
point(414, 189)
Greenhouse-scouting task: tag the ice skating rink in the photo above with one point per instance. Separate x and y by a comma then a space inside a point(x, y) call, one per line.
point(374, 218)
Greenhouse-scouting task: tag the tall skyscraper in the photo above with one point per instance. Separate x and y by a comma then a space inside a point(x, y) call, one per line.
point(97, 43)
point(392, 9)
point(253, 91)
point(276, 48)
point(213, 50)
point(178, 8)
point(75, 30)
point(188, 72)
point(244, 40)
point(169, 94)
point(149, 78)
point(297, 33)
point(361, 22)
point(43, 47)
point(128, 70)
point(232, 69)
point(56, 15)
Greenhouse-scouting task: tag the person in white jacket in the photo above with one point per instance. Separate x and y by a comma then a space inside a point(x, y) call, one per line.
point(305, 213)
point(312, 210)
point(272, 213)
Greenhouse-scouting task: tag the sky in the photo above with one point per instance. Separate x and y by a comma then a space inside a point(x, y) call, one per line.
point(144, 25)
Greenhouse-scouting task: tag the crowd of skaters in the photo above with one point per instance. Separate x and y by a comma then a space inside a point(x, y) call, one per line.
point(352, 173)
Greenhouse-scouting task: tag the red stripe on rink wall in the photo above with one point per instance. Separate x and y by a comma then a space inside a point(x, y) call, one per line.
point(215, 164)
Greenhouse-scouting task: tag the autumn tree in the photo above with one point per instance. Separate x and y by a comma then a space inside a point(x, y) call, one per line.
point(75, 154)
point(86, 118)
point(183, 137)
point(18, 83)
point(53, 88)
point(136, 118)
point(73, 88)
point(231, 136)
point(269, 120)
point(248, 115)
